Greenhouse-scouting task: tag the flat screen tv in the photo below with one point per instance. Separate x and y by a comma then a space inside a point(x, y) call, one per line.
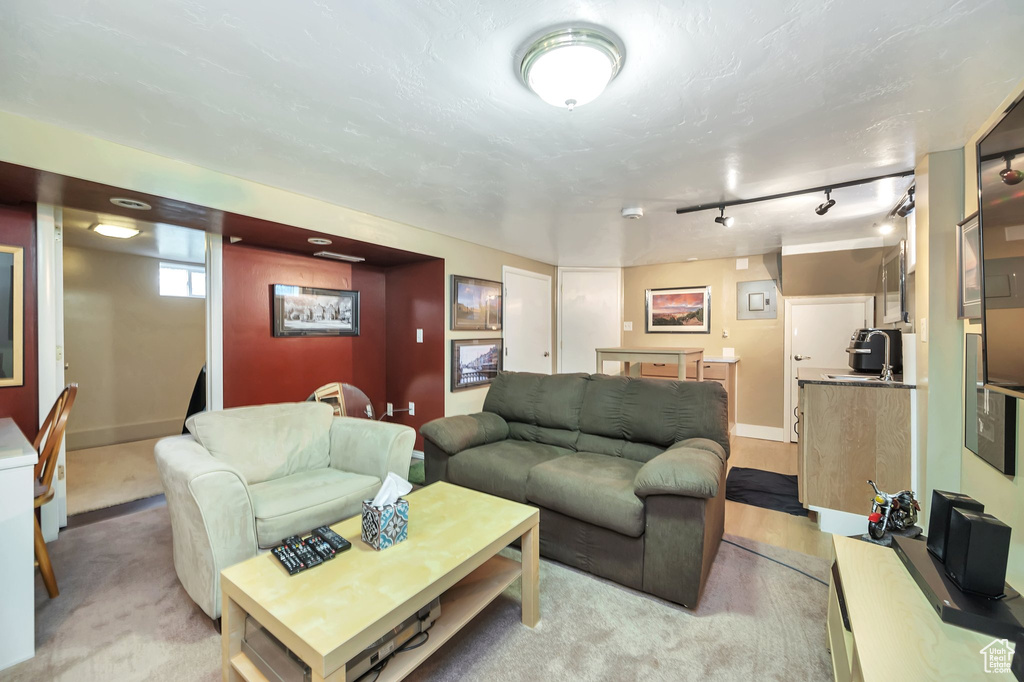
point(1001, 187)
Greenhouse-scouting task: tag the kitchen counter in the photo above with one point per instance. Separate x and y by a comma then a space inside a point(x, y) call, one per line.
point(816, 375)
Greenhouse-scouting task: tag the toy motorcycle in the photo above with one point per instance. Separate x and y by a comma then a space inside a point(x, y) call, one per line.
point(891, 512)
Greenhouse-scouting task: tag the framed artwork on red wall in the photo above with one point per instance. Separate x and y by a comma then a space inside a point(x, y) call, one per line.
point(305, 311)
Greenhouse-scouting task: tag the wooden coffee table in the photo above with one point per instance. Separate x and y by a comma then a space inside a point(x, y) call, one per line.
point(328, 614)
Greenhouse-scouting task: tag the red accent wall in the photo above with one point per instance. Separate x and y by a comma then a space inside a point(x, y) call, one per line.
point(415, 371)
point(21, 403)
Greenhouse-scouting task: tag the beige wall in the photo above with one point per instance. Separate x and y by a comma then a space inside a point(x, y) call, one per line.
point(135, 354)
point(31, 143)
point(1003, 496)
point(758, 343)
point(832, 272)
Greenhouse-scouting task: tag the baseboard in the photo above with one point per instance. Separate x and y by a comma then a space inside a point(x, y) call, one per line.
point(111, 435)
point(776, 433)
point(417, 454)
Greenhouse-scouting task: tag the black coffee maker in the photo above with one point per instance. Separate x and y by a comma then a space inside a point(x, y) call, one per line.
point(867, 355)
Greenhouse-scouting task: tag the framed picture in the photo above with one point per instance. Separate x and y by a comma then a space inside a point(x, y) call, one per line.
point(12, 316)
point(476, 304)
point(304, 311)
point(475, 362)
point(685, 310)
point(990, 417)
point(968, 261)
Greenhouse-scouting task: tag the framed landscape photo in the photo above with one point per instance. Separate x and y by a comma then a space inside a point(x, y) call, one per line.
point(968, 262)
point(305, 311)
point(476, 304)
point(683, 310)
point(475, 362)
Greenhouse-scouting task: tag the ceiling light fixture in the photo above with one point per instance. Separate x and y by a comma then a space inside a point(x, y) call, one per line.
point(133, 204)
point(319, 241)
point(723, 220)
point(1011, 176)
point(907, 205)
point(885, 228)
point(339, 256)
point(823, 208)
point(571, 66)
point(634, 213)
point(115, 231)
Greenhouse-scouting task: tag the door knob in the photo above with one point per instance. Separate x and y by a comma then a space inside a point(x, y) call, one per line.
point(798, 358)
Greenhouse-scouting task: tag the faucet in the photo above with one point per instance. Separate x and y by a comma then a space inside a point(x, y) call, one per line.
point(887, 365)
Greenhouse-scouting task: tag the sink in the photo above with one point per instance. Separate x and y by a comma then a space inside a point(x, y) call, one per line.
point(850, 377)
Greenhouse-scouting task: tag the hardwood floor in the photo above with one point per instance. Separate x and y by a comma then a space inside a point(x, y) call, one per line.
point(798, 533)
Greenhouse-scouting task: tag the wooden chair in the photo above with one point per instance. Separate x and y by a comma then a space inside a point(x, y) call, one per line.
point(47, 444)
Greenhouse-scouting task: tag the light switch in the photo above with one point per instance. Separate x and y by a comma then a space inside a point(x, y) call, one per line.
point(725, 333)
point(419, 336)
point(627, 326)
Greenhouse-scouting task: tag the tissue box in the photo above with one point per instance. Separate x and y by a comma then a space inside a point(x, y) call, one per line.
point(385, 526)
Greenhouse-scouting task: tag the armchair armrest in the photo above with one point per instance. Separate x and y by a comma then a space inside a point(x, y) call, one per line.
point(452, 435)
point(373, 448)
point(692, 468)
point(212, 520)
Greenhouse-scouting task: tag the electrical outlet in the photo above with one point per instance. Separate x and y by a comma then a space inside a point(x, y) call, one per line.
point(419, 336)
point(391, 409)
point(60, 472)
point(627, 326)
point(412, 409)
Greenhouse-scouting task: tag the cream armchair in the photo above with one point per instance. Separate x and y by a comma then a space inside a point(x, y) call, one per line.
point(248, 477)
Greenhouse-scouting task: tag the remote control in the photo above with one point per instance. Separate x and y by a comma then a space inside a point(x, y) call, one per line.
point(288, 559)
point(337, 543)
point(317, 544)
point(306, 555)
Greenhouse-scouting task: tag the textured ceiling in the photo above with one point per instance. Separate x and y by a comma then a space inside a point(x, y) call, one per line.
point(412, 110)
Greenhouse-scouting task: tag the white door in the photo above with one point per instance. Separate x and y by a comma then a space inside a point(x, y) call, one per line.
point(589, 315)
point(526, 325)
point(818, 334)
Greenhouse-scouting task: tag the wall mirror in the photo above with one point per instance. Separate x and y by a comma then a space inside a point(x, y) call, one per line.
point(12, 311)
point(894, 285)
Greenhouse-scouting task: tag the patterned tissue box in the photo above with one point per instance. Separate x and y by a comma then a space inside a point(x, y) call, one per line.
point(385, 526)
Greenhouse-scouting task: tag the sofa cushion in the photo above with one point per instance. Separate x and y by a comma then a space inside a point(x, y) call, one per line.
point(590, 487)
point(500, 468)
point(550, 401)
point(638, 452)
point(267, 441)
point(300, 502)
point(542, 434)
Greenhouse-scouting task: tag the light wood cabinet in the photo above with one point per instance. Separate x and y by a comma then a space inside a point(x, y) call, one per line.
point(850, 434)
point(722, 372)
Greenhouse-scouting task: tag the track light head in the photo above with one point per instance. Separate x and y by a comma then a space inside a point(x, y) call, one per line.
point(727, 221)
point(907, 206)
point(823, 208)
point(1011, 176)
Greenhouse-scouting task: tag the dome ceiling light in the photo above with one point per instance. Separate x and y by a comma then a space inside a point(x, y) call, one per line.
point(571, 67)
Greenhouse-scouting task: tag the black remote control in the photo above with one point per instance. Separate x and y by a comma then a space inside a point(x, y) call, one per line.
point(317, 544)
point(306, 555)
point(288, 559)
point(337, 543)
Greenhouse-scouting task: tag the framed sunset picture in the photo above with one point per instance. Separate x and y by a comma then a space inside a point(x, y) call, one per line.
point(685, 310)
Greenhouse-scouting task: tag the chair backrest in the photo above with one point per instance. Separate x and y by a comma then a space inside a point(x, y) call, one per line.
point(51, 434)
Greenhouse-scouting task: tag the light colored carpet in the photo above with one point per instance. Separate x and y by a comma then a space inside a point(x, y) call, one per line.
point(112, 474)
point(122, 615)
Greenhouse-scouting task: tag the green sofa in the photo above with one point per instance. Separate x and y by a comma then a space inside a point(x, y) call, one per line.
point(628, 474)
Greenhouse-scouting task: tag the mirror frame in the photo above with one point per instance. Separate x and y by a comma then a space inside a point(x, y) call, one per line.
point(17, 316)
point(902, 316)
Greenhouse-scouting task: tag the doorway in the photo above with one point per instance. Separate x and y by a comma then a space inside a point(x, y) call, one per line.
point(526, 322)
point(589, 315)
point(818, 332)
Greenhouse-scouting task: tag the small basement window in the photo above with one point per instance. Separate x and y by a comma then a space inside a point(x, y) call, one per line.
point(188, 281)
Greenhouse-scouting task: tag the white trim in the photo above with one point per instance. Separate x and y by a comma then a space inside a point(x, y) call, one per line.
point(760, 432)
point(214, 322)
point(417, 454)
point(789, 400)
point(505, 270)
point(843, 245)
point(558, 305)
point(840, 522)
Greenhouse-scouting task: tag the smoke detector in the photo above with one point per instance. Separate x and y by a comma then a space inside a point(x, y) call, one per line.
point(634, 213)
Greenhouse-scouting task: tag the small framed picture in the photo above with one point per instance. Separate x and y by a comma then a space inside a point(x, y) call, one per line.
point(968, 261)
point(304, 311)
point(476, 304)
point(683, 310)
point(475, 362)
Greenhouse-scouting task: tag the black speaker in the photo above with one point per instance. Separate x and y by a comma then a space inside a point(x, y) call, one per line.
point(938, 520)
point(976, 552)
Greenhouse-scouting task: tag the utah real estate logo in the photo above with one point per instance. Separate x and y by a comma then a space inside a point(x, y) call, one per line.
point(998, 655)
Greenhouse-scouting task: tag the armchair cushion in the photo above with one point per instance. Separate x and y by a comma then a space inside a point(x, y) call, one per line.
point(267, 441)
point(594, 488)
point(683, 469)
point(300, 502)
point(455, 434)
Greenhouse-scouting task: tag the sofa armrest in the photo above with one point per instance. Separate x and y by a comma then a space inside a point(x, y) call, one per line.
point(686, 468)
point(212, 520)
point(452, 435)
point(365, 446)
